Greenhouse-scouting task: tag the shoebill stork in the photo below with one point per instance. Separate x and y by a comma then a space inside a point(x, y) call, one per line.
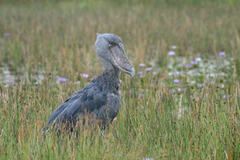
point(100, 100)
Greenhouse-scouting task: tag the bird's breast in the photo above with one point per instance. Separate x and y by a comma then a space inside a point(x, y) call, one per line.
point(114, 101)
point(110, 109)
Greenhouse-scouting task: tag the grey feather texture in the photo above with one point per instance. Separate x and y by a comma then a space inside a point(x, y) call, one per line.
point(100, 100)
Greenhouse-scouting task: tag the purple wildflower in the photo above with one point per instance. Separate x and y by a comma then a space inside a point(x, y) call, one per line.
point(171, 53)
point(140, 73)
point(176, 81)
point(148, 159)
point(141, 95)
point(60, 79)
point(200, 85)
point(198, 59)
point(148, 69)
point(225, 96)
point(11, 81)
point(173, 47)
point(142, 65)
point(7, 34)
point(179, 89)
point(221, 54)
point(194, 62)
point(178, 73)
point(130, 92)
point(188, 65)
point(84, 75)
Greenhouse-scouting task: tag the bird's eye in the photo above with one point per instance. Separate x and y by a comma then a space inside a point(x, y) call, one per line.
point(111, 43)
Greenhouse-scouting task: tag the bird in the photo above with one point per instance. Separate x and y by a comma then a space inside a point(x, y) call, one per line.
point(99, 101)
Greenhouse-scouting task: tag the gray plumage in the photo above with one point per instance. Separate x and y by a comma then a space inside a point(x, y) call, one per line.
point(100, 100)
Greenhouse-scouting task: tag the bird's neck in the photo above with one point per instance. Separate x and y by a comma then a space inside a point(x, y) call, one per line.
point(112, 73)
point(111, 78)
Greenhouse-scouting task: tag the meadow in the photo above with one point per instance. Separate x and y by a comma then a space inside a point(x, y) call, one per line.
point(183, 102)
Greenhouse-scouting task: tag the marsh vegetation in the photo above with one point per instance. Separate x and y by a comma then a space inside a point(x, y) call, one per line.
point(183, 102)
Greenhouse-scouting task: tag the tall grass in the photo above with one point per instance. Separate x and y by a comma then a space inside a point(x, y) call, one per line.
point(157, 120)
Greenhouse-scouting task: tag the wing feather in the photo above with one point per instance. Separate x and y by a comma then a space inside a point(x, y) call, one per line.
point(76, 104)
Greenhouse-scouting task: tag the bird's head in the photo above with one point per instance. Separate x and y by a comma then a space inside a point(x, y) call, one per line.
point(110, 51)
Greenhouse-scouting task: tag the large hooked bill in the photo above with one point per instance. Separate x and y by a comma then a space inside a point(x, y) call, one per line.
point(120, 60)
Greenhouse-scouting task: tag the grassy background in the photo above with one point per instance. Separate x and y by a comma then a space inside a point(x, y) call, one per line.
point(57, 38)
